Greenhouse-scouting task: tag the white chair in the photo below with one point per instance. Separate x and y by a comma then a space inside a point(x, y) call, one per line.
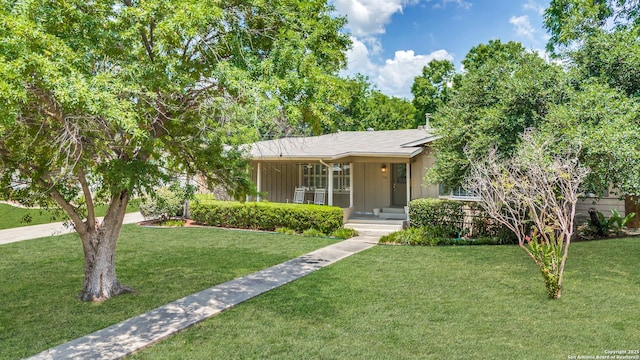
point(319, 196)
point(298, 196)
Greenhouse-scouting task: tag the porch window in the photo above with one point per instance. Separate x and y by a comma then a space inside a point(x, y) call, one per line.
point(315, 176)
point(341, 177)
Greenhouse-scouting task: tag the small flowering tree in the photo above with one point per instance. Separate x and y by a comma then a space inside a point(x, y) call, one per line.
point(534, 194)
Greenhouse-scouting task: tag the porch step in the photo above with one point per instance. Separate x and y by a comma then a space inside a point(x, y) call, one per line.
point(375, 228)
point(376, 221)
point(393, 210)
point(397, 216)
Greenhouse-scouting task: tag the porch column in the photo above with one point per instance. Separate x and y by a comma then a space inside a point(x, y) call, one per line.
point(408, 182)
point(351, 185)
point(330, 185)
point(259, 181)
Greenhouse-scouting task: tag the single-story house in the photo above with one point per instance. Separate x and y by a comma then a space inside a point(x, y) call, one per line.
point(360, 170)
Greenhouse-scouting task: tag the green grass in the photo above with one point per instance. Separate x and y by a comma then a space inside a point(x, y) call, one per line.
point(395, 302)
point(12, 217)
point(41, 277)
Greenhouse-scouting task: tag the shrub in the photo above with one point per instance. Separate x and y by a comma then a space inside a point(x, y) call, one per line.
point(166, 202)
point(286, 231)
point(313, 233)
point(454, 219)
point(445, 214)
point(172, 223)
point(431, 236)
point(344, 233)
point(600, 226)
point(268, 216)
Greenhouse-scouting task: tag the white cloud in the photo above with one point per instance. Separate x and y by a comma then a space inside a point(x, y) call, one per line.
point(460, 3)
point(367, 20)
point(533, 5)
point(369, 17)
point(522, 26)
point(358, 59)
point(396, 76)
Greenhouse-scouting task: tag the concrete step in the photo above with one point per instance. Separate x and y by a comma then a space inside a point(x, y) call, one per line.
point(392, 215)
point(393, 210)
point(378, 228)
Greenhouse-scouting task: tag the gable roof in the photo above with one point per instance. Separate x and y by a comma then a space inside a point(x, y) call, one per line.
point(386, 143)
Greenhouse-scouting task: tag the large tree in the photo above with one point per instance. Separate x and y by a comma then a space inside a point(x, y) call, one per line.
point(504, 90)
point(600, 41)
point(432, 89)
point(102, 100)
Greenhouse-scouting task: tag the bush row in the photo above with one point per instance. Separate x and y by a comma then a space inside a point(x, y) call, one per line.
point(456, 219)
point(432, 236)
point(268, 216)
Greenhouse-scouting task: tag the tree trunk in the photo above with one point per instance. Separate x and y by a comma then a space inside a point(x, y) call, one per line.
point(99, 245)
point(631, 205)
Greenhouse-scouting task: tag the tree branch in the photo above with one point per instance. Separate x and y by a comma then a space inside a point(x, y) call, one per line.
point(66, 206)
point(91, 215)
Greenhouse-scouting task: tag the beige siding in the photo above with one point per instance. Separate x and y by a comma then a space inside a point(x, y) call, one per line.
point(419, 167)
point(372, 188)
point(278, 181)
point(603, 205)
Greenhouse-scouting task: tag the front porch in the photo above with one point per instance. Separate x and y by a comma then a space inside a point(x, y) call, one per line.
point(378, 190)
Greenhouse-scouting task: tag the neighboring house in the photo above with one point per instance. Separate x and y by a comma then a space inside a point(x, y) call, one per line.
point(360, 170)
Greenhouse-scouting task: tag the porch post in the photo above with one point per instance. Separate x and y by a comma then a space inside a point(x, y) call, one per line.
point(330, 185)
point(350, 185)
point(408, 182)
point(259, 180)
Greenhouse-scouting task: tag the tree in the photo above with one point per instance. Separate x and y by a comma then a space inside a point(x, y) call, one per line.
point(382, 112)
point(432, 89)
point(102, 101)
point(505, 90)
point(571, 22)
point(534, 194)
point(600, 39)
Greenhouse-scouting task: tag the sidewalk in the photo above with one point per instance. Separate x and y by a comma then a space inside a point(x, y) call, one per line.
point(144, 330)
point(37, 231)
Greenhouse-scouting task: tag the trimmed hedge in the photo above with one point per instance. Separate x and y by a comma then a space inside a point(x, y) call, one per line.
point(454, 218)
point(445, 214)
point(268, 216)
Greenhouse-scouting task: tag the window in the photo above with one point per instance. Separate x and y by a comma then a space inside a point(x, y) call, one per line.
point(316, 176)
point(341, 177)
point(459, 193)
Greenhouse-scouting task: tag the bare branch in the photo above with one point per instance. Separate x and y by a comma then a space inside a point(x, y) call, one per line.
point(535, 186)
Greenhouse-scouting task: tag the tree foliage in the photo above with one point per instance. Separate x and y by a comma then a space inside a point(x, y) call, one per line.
point(505, 90)
point(102, 100)
point(601, 42)
point(432, 89)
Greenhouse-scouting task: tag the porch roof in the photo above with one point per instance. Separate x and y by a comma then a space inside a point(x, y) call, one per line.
point(387, 143)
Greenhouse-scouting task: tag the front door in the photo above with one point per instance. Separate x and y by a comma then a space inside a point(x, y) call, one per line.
point(398, 184)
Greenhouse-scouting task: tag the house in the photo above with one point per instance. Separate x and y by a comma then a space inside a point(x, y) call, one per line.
point(360, 170)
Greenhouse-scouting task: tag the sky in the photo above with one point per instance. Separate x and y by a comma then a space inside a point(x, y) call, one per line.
point(394, 39)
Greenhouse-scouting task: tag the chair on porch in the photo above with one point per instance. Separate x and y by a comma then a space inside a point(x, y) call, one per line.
point(318, 196)
point(298, 196)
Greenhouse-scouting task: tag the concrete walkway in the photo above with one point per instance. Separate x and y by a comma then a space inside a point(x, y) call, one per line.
point(141, 331)
point(58, 228)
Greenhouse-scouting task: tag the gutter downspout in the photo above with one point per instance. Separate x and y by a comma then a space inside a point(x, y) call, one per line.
point(329, 182)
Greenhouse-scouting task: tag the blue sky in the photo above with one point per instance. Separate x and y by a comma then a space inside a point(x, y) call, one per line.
point(394, 39)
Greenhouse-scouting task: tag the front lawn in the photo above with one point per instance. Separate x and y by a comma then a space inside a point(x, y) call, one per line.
point(396, 302)
point(12, 216)
point(41, 277)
